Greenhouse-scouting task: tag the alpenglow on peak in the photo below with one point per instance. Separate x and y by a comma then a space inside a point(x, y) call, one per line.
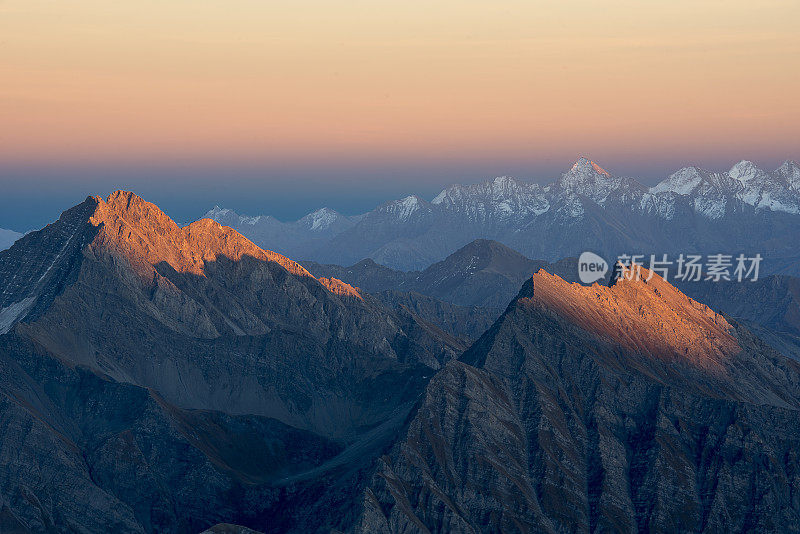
point(584, 164)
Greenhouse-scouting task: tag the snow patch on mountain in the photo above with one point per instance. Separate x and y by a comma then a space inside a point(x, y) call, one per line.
point(408, 206)
point(789, 172)
point(319, 220)
point(503, 199)
point(588, 179)
point(683, 182)
point(10, 314)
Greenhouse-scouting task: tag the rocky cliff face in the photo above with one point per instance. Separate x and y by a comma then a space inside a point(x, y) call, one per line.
point(630, 408)
point(159, 378)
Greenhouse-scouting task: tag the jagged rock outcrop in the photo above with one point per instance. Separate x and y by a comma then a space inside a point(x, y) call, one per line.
point(629, 408)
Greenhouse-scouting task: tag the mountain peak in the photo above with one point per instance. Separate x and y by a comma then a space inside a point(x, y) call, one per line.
point(648, 317)
point(321, 219)
point(501, 198)
point(488, 247)
point(745, 170)
point(682, 181)
point(503, 181)
point(144, 234)
point(588, 179)
point(585, 165)
point(790, 172)
point(216, 211)
point(403, 208)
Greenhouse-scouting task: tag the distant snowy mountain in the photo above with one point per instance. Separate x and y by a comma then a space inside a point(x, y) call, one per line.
point(7, 238)
point(745, 209)
point(301, 237)
point(502, 200)
point(711, 192)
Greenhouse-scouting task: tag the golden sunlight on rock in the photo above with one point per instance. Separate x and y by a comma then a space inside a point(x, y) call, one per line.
point(340, 288)
point(648, 317)
point(141, 231)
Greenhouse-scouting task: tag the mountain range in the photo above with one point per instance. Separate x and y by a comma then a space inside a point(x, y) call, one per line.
point(744, 210)
point(484, 275)
point(481, 273)
point(158, 378)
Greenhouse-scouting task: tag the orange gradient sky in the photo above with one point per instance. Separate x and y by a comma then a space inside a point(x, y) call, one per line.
point(255, 80)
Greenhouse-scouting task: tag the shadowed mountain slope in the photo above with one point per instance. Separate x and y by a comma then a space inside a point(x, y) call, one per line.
point(482, 273)
point(770, 307)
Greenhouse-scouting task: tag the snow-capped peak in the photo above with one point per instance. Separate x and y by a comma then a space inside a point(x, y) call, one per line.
point(252, 221)
point(403, 208)
point(501, 198)
point(409, 204)
point(682, 182)
point(215, 212)
point(502, 186)
point(228, 217)
point(319, 220)
point(587, 178)
point(745, 171)
point(584, 165)
point(790, 172)
point(584, 174)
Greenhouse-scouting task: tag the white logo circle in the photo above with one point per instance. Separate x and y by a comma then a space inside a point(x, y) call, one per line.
point(591, 267)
